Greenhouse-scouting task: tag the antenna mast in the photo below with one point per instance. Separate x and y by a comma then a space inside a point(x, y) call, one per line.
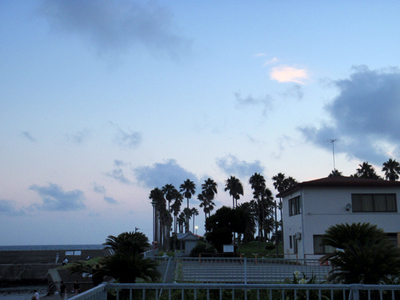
point(333, 152)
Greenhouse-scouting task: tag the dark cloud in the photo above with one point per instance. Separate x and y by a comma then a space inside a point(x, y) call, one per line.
point(110, 200)
point(118, 174)
point(98, 188)
point(54, 198)
point(365, 116)
point(231, 165)
point(113, 25)
point(28, 136)
point(160, 174)
point(265, 102)
point(8, 208)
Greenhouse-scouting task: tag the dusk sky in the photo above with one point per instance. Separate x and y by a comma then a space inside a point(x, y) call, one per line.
point(102, 101)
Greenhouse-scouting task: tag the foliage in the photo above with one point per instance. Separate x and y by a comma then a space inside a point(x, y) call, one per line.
point(249, 249)
point(391, 169)
point(302, 294)
point(364, 254)
point(219, 228)
point(235, 188)
point(128, 242)
point(366, 170)
point(126, 265)
point(201, 248)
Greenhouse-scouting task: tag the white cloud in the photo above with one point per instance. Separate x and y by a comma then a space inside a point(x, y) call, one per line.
point(289, 74)
point(271, 61)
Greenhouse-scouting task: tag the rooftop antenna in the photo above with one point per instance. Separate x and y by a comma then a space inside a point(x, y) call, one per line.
point(333, 152)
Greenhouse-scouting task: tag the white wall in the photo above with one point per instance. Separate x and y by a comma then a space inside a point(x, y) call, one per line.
point(323, 207)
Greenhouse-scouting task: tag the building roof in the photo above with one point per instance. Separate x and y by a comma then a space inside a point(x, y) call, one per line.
point(341, 181)
point(188, 236)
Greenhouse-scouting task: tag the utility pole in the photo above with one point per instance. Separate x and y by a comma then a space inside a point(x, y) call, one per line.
point(333, 152)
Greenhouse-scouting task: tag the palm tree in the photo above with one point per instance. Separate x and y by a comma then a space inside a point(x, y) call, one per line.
point(335, 172)
point(281, 184)
point(127, 267)
point(257, 182)
point(391, 169)
point(188, 189)
point(157, 197)
point(249, 211)
point(209, 190)
point(168, 191)
point(181, 221)
point(194, 212)
point(235, 188)
point(132, 242)
point(364, 254)
point(366, 170)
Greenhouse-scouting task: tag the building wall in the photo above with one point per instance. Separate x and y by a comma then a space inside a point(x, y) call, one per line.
point(323, 207)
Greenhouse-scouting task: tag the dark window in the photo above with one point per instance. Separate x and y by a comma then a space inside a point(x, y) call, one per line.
point(374, 202)
point(319, 248)
point(290, 241)
point(294, 206)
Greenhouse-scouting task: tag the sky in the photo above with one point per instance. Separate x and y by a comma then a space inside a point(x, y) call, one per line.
point(103, 101)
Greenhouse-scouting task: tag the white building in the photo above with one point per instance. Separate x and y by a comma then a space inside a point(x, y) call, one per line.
point(311, 207)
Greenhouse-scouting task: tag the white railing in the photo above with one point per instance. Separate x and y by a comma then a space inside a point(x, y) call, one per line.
point(172, 291)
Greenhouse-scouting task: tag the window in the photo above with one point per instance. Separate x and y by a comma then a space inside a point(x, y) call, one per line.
point(290, 242)
point(319, 248)
point(374, 202)
point(294, 206)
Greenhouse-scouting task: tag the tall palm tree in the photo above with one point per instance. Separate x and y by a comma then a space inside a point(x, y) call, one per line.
point(281, 184)
point(181, 221)
point(391, 169)
point(168, 191)
point(209, 190)
point(157, 197)
point(188, 189)
point(235, 188)
point(257, 182)
point(366, 170)
point(194, 212)
point(249, 211)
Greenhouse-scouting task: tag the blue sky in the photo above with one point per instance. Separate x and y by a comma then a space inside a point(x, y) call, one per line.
point(102, 101)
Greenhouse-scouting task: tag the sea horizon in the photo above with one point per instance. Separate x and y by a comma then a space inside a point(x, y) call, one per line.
point(52, 247)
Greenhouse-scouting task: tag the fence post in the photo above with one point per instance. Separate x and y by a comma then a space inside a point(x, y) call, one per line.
point(354, 291)
point(245, 270)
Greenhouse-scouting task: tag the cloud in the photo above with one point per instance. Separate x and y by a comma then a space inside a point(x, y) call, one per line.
point(127, 139)
point(55, 199)
point(98, 188)
point(365, 116)
point(271, 61)
point(110, 200)
point(295, 91)
point(160, 174)
point(231, 165)
point(112, 25)
point(78, 137)
point(289, 74)
point(265, 102)
point(118, 174)
point(8, 208)
point(28, 136)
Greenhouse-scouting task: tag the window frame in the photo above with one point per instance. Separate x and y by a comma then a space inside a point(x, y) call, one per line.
point(325, 248)
point(372, 202)
point(294, 206)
